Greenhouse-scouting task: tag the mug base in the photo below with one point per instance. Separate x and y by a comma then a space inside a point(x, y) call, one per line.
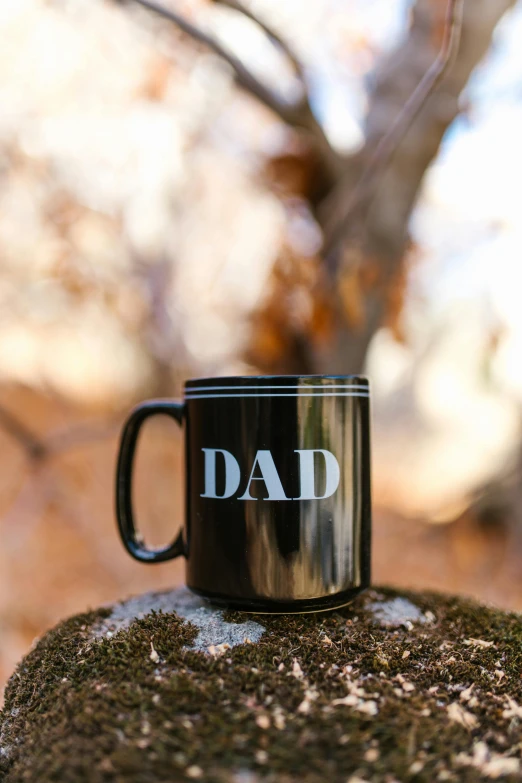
point(271, 606)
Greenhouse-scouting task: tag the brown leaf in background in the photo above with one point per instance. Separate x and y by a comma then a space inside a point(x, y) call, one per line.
point(294, 172)
point(396, 295)
point(156, 79)
point(351, 295)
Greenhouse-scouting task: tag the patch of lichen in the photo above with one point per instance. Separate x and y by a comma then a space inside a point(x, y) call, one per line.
point(79, 709)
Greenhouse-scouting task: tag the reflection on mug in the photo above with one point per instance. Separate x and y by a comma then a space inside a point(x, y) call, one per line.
point(293, 563)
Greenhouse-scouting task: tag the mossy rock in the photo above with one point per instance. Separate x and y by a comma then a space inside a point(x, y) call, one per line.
point(395, 687)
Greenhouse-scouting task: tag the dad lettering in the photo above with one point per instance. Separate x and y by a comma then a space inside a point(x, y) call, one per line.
point(264, 469)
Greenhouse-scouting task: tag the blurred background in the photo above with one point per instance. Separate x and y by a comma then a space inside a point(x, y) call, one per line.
point(251, 189)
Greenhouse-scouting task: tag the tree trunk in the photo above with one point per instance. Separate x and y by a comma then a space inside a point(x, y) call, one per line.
point(386, 228)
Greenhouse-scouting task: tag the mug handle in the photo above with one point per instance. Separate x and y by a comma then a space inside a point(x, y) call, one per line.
point(124, 513)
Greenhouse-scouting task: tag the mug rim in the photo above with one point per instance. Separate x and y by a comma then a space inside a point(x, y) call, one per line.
point(252, 380)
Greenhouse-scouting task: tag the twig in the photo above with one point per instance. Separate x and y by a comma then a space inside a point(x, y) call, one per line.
point(278, 41)
point(38, 449)
point(244, 77)
point(296, 114)
point(79, 435)
point(387, 145)
point(35, 448)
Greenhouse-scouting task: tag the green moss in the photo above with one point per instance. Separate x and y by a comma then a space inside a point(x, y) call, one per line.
point(83, 710)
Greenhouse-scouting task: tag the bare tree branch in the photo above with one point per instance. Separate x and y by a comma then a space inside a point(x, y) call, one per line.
point(338, 221)
point(298, 115)
point(244, 76)
point(38, 449)
point(33, 445)
point(272, 34)
point(80, 435)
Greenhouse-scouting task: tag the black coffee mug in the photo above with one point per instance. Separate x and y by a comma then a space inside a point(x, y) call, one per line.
point(278, 513)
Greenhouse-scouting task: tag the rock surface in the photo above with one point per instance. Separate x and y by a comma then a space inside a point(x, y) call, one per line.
point(163, 688)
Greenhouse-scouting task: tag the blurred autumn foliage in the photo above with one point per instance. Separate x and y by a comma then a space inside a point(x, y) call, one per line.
point(205, 188)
